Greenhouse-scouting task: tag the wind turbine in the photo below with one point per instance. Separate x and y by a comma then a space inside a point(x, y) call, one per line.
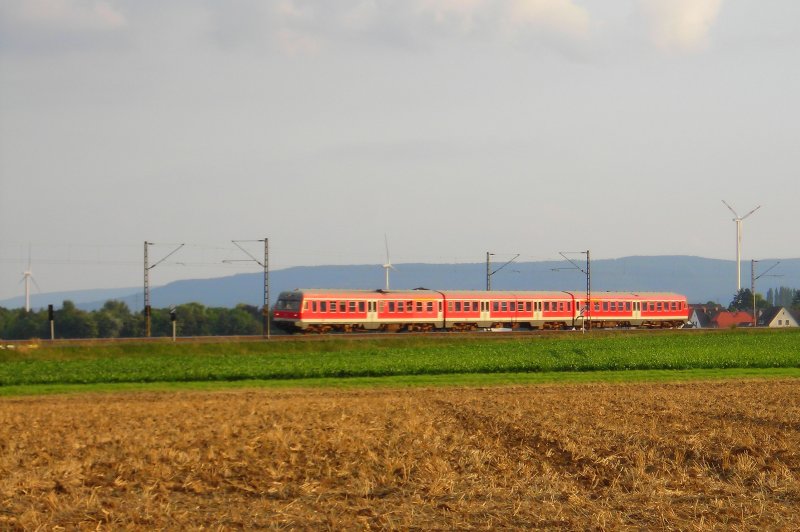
point(27, 277)
point(738, 219)
point(388, 266)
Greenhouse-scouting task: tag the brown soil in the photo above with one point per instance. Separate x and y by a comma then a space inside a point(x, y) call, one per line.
point(679, 456)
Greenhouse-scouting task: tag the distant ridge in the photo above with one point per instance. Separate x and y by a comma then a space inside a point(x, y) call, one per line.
point(700, 279)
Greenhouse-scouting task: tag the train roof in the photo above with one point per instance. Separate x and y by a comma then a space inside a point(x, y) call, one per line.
point(472, 294)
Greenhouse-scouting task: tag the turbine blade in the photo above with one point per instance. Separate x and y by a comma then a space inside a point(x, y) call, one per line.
point(36, 284)
point(386, 242)
point(731, 208)
point(751, 212)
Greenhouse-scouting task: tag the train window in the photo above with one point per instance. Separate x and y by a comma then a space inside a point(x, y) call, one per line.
point(352, 306)
point(323, 306)
point(449, 306)
point(401, 306)
point(458, 306)
point(512, 306)
point(361, 306)
point(440, 306)
point(527, 306)
point(569, 306)
point(333, 306)
point(430, 306)
point(419, 306)
point(658, 306)
point(381, 306)
point(546, 306)
point(674, 305)
point(342, 306)
point(628, 306)
point(504, 306)
point(410, 306)
point(596, 306)
point(391, 306)
point(495, 306)
point(613, 306)
point(313, 306)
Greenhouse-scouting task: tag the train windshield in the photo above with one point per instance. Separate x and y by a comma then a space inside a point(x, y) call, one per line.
point(289, 302)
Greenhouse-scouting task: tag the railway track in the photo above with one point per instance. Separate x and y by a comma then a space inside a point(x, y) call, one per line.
point(280, 338)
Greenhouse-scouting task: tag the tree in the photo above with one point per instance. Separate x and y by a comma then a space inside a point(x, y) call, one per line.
point(796, 300)
point(114, 320)
point(71, 322)
point(193, 320)
point(23, 325)
point(743, 301)
point(235, 322)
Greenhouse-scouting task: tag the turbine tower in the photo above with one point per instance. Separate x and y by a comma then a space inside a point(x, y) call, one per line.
point(738, 219)
point(388, 266)
point(27, 277)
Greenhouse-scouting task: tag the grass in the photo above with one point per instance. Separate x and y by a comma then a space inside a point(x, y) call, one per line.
point(413, 381)
point(397, 360)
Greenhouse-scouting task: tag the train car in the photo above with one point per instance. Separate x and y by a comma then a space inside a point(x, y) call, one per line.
point(321, 310)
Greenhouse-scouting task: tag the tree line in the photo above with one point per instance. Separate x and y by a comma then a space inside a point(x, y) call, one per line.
point(115, 320)
point(783, 297)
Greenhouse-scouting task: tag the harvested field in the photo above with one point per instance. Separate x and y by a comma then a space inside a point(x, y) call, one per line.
point(688, 456)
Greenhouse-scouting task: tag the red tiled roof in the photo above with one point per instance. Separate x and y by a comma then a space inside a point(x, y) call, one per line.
point(727, 319)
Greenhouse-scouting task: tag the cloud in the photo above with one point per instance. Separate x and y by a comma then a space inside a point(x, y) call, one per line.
point(681, 25)
point(68, 15)
point(297, 27)
point(59, 25)
point(510, 18)
point(303, 26)
point(561, 17)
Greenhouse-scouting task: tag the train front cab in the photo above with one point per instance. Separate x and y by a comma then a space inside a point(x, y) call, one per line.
point(286, 314)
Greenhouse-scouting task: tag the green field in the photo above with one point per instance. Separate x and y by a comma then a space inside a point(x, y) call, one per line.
point(398, 359)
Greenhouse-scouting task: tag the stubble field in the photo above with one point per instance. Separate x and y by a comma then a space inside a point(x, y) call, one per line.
point(688, 456)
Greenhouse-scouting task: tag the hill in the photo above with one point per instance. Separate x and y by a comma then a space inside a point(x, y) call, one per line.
point(699, 278)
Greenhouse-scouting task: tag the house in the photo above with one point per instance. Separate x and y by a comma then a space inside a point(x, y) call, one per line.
point(700, 315)
point(727, 320)
point(777, 317)
point(699, 318)
point(715, 317)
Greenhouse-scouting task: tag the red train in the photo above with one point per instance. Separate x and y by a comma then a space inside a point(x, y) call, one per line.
point(320, 311)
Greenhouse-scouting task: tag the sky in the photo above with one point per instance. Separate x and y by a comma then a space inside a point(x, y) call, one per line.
point(447, 128)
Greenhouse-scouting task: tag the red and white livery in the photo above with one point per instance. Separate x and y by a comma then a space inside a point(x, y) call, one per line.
point(320, 310)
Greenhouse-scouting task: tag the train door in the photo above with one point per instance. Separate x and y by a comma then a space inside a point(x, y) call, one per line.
point(637, 310)
point(486, 318)
point(372, 313)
